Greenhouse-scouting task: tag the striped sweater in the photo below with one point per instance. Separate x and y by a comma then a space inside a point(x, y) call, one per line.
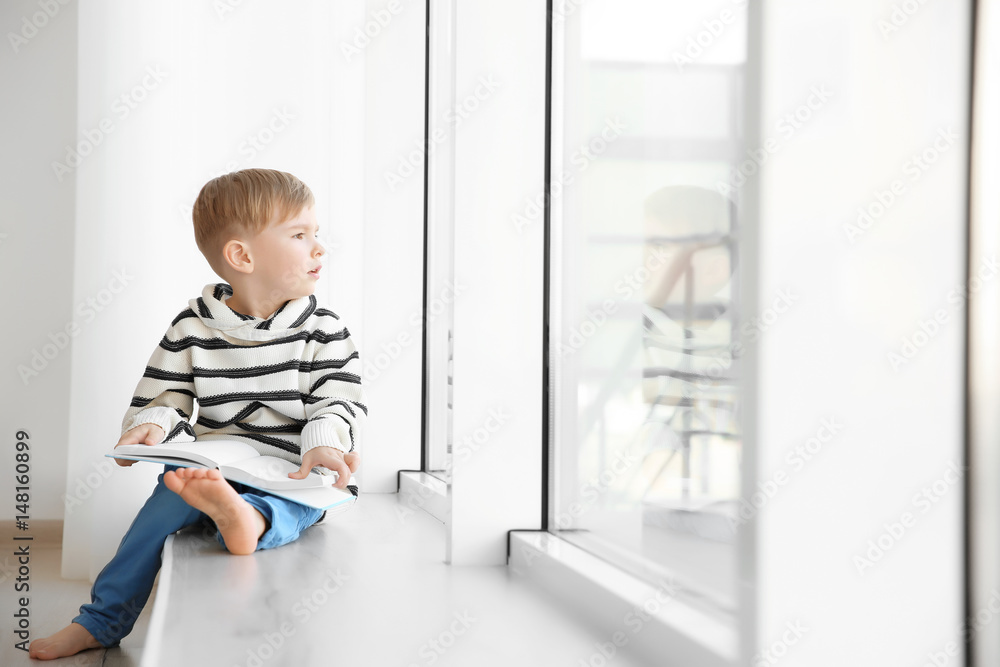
point(285, 384)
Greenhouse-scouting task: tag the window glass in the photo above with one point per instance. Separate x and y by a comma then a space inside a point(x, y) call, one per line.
point(646, 143)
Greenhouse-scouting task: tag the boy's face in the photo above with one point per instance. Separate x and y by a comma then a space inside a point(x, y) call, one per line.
point(288, 257)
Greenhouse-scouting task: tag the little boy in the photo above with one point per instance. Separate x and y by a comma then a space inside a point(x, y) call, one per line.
point(266, 365)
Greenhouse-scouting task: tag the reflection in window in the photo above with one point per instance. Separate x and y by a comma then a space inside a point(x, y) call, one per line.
point(645, 299)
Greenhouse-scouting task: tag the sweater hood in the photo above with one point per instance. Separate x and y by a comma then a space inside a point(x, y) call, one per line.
point(213, 312)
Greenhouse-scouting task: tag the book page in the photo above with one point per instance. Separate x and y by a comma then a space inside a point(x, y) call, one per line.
point(210, 453)
point(270, 472)
point(328, 498)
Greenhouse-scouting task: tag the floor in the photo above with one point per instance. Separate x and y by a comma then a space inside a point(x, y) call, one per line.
point(53, 603)
point(367, 587)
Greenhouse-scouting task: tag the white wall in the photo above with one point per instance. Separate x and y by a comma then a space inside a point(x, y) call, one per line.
point(394, 233)
point(499, 162)
point(37, 121)
point(826, 358)
point(219, 88)
point(214, 88)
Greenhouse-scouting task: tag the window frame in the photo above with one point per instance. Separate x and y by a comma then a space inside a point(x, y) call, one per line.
point(568, 570)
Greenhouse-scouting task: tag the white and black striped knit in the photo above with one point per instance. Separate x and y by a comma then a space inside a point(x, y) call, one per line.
point(285, 384)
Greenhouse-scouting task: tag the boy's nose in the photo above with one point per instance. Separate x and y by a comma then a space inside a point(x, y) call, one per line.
point(320, 249)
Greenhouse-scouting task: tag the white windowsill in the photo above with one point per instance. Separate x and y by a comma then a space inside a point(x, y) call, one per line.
point(420, 490)
point(647, 621)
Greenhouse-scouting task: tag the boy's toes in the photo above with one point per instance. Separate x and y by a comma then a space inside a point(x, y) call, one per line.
point(69, 641)
point(173, 481)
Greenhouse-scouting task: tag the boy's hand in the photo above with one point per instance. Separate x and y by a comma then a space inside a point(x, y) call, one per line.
point(328, 457)
point(146, 434)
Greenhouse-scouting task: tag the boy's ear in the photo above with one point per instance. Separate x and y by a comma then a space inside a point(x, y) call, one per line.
point(236, 255)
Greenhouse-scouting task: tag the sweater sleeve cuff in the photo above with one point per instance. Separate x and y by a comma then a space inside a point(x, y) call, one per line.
point(161, 416)
point(324, 432)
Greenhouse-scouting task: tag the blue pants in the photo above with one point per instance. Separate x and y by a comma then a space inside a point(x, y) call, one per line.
point(123, 586)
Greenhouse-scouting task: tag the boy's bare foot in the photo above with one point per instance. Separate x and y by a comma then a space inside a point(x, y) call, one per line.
point(205, 489)
point(69, 641)
point(353, 461)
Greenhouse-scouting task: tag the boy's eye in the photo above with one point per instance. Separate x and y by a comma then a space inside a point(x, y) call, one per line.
point(298, 236)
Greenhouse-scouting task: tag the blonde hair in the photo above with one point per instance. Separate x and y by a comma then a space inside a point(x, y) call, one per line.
point(245, 201)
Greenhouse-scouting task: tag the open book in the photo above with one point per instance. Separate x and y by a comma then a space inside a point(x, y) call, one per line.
point(239, 462)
